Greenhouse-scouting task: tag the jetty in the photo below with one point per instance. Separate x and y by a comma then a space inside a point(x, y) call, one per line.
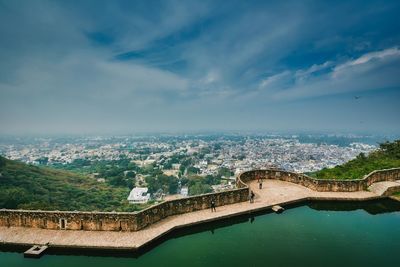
point(277, 209)
point(36, 251)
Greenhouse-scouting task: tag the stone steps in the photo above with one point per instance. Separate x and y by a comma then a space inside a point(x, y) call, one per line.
point(380, 188)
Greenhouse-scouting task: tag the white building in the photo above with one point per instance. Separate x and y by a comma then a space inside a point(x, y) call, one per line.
point(139, 195)
point(184, 191)
point(176, 166)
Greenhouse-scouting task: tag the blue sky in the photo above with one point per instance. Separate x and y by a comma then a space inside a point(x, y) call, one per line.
point(134, 66)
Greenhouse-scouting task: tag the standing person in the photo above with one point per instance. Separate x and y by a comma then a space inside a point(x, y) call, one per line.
point(213, 205)
point(252, 196)
point(260, 185)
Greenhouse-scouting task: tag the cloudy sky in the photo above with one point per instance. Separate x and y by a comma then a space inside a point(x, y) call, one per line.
point(134, 66)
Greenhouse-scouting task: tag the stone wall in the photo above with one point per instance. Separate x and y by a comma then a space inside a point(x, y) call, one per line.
point(324, 185)
point(391, 190)
point(117, 221)
point(57, 220)
point(173, 207)
point(134, 221)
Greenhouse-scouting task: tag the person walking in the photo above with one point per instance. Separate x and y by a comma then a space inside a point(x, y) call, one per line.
point(213, 205)
point(260, 185)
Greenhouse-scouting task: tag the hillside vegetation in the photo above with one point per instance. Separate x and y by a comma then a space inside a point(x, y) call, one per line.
point(386, 156)
point(25, 186)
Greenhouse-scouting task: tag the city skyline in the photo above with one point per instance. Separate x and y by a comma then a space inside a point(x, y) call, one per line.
point(185, 66)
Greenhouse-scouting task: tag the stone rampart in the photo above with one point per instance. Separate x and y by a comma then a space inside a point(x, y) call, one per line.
point(134, 221)
point(324, 185)
point(117, 221)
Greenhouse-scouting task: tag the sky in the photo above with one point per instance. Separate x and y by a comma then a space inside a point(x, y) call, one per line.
point(119, 67)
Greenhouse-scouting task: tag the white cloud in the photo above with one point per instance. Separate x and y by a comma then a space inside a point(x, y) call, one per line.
point(276, 81)
point(302, 75)
point(370, 56)
point(371, 71)
point(384, 55)
point(50, 69)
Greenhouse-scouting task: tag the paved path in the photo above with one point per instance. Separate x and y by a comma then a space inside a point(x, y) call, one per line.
point(380, 187)
point(274, 193)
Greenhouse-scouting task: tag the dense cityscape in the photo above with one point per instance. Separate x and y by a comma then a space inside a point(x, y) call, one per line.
point(209, 153)
point(203, 133)
point(185, 164)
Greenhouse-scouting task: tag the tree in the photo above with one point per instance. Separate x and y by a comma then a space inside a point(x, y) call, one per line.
point(198, 188)
point(193, 170)
point(184, 181)
point(43, 160)
point(225, 172)
point(391, 148)
point(2, 161)
point(118, 181)
point(211, 180)
point(361, 156)
point(130, 174)
point(173, 186)
point(387, 156)
point(13, 197)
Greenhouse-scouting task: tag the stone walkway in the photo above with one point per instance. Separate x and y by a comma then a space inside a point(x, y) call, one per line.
point(380, 187)
point(274, 193)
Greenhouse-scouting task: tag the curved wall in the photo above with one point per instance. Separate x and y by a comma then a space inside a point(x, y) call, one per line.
point(134, 221)
point(324, 184)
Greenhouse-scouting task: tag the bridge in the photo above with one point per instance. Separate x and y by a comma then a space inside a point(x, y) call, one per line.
point(274, 192)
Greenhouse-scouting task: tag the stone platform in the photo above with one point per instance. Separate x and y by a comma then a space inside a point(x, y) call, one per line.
point(274, 192)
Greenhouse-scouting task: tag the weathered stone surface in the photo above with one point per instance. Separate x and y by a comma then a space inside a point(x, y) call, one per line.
point(117, 221)
point(274, 192)
point(134, 221)
point(323, 185)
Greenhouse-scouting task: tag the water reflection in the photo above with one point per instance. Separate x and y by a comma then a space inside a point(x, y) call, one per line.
point(372, 207)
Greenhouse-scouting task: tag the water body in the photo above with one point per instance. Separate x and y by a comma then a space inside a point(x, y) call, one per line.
point(316, 234)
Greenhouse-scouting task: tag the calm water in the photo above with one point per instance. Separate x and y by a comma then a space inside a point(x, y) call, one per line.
point(318, 234)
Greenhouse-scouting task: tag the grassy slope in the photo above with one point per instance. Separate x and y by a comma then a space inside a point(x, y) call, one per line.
point(387, 156)
point(31, 187)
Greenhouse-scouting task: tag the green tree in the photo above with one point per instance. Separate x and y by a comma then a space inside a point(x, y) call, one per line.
point(198, 188)
point(193, 170)
point(118, 181)
point(387, 156)
point(391, 149)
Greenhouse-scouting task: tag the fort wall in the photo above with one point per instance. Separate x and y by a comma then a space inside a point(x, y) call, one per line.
point(134, 221)
point(117, 221)
point(324, 185)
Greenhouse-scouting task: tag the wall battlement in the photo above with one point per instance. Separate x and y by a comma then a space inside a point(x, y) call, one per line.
point(134, 221)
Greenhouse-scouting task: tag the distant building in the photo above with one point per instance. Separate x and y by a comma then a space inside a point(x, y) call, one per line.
point(222, 187)
point(139, 195)
point(185, 191)
point(176, 166)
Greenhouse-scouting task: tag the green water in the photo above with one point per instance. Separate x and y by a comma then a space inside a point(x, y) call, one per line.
point(319, 234)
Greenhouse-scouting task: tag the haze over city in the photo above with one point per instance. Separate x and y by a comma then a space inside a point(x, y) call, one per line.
point(199, 133)
point(111, 67)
